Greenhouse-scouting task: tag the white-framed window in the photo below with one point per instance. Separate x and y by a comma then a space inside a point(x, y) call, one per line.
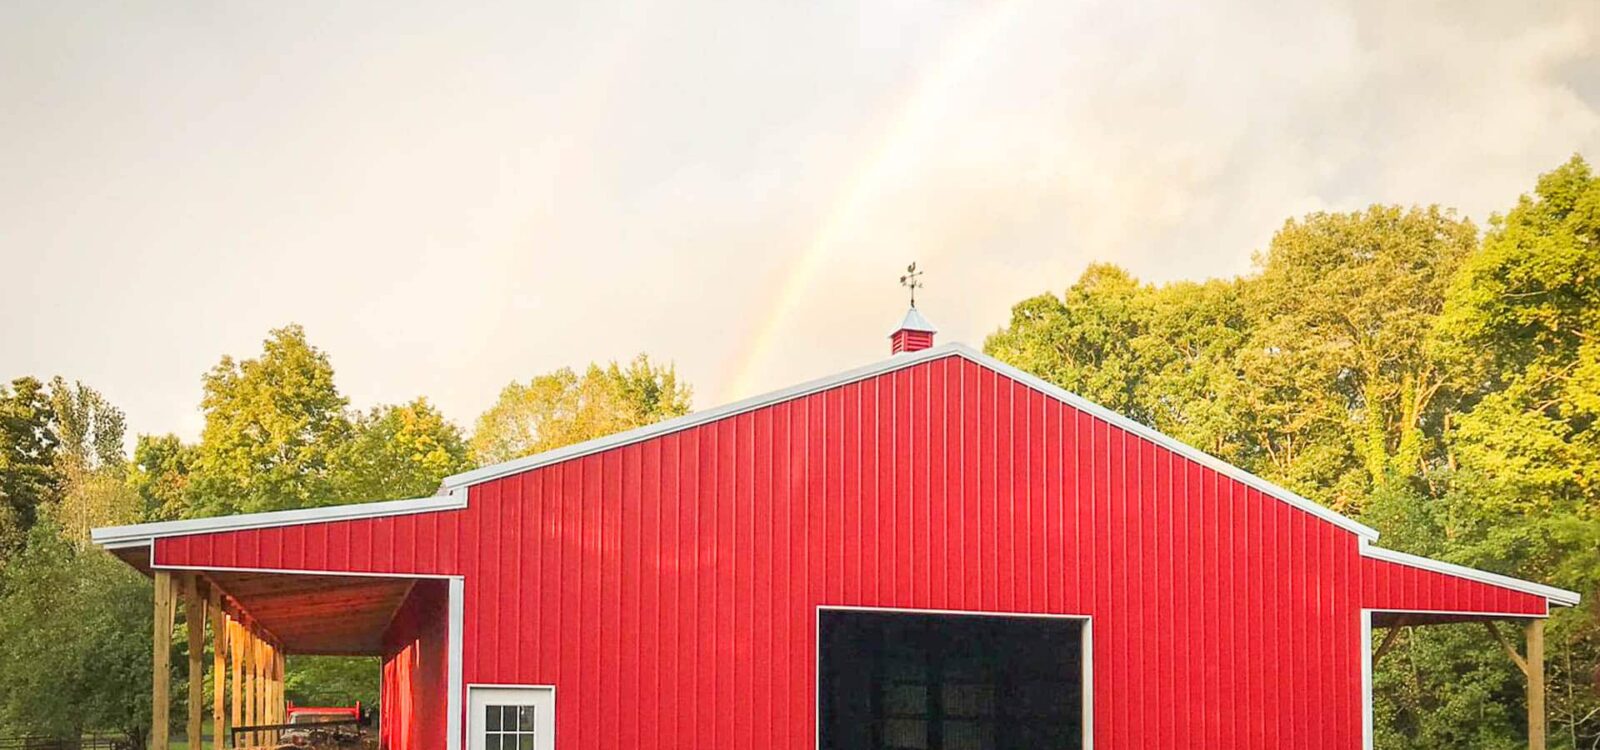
point(504, 717)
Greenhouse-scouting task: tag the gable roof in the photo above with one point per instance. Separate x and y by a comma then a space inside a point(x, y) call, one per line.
point(898, 362)
point(452, 495)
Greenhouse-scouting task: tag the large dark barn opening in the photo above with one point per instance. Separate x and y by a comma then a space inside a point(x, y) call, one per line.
point(911, 681)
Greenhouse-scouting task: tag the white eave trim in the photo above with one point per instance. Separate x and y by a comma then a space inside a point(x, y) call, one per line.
point(114, 537)
point(1550, 593)
point(900, 361)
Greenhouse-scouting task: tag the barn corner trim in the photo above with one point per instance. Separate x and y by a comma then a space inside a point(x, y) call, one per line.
point(901, 361)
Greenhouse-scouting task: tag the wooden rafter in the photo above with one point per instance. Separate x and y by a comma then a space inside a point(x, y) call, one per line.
point(1389, 639)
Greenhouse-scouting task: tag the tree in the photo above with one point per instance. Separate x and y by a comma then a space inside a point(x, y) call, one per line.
point(398, 451)
point(74, 640)
point(560, 408)
point(90, 461)
point(163, 467)
point(1519, 329)
point(272, 424)
point(28, 443)
point(332, 680)
point(1344, 308)
point(1163, 355)
point(89, 429)
point(1085, 341)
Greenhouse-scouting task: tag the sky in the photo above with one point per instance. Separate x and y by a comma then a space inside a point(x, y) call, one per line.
point(451, 196)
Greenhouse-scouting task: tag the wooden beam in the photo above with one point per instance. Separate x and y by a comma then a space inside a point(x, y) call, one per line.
point(161, 661)
point(1511, 651)
point(194, 622)
point(219, 666)
point(1535, 670)
point(1389, 639)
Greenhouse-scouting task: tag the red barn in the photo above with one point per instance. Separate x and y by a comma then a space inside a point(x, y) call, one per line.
point(934, 551)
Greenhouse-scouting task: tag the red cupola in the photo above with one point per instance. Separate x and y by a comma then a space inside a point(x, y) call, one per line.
point(914, 334)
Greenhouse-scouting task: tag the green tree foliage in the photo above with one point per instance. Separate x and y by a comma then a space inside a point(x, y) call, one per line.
point(272, 425)
point(28, 443)
point(163, 466)
point(89, 459)
point(74, 627)
point(561, 408)
point(74, 640)
point(1162, 355)
point(398, 451)
point(1521, 326)
point(1312, 372)
point(1344, 306)
point(332, 680)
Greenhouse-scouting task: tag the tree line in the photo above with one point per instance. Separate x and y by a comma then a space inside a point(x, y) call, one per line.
point(1437, 381)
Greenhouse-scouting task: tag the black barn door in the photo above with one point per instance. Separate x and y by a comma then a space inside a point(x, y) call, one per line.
point(909, 681)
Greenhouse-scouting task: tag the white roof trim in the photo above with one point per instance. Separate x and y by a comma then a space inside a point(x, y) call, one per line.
point(1550, 593)
point(897, 362)
point(114, 537)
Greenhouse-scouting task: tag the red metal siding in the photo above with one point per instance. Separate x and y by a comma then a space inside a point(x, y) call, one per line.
point(670, 587)
point(415, 671)
point(1391, 586)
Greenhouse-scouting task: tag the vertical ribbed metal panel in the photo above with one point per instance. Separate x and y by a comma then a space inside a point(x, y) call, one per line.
point(670, 588)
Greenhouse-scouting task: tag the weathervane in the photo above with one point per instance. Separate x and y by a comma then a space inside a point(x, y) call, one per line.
point(911, 280)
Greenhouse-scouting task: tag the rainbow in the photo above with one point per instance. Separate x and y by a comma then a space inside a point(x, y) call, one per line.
point(903, 141)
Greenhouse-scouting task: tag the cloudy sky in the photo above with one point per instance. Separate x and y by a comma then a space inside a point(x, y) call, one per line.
point(451, 197)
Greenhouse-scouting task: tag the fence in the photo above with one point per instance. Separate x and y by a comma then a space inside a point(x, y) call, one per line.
point(86, 742)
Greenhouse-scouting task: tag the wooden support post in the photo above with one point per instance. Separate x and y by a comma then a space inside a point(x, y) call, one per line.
point(194, 622)
point(250, 682)
point(219, 666)
point(1535, 661)
point(264, 695)
point(267, 686)
point(236, 652)
point(161, 661)
point(280, 706)
point(1532, 667)
point(263, 686)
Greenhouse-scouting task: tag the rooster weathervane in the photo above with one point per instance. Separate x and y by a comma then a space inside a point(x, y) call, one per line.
point(912, 279)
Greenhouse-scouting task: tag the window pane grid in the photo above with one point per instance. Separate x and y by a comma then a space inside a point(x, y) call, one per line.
point(508, 727)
